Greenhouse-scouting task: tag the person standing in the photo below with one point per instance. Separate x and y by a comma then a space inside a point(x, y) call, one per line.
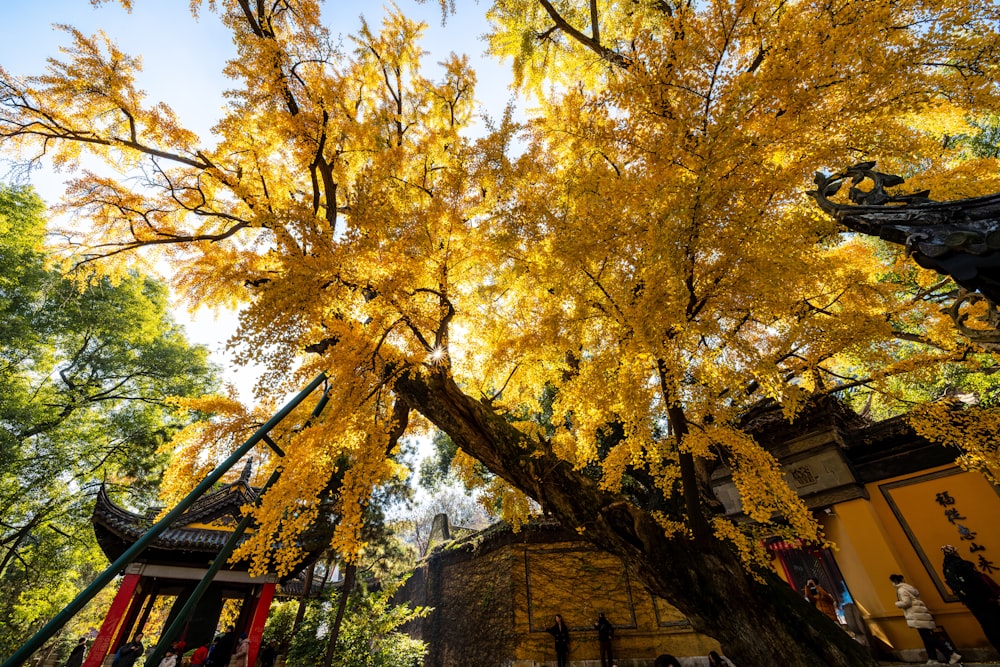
point(716, 660)
point(211, 649)
point(268, 655)
point(242, 653)
point(919, 618)
point(222, 649)
point(976, 591)
point(821, 599)
point(129, 653)
point(170, 659)
point(561, 634)
point(605, 632)
point(200, 656)
point(76, 655)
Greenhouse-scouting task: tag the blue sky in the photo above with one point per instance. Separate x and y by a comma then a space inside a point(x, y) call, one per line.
point(182, 63)
point(183, 56)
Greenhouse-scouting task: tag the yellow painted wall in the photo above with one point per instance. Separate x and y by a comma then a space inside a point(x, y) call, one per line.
point(900, 529)
point(867, 556)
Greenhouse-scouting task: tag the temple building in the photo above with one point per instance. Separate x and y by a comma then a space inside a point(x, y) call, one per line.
point(495, 592)
point(887, 498)
point(170, 568)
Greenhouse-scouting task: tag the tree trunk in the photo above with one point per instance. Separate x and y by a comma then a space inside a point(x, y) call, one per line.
point(326, 573)
point(350, 574)
point(756, 624)
point(300, 613)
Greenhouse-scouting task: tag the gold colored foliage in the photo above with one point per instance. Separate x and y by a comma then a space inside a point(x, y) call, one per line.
point(620, 275)
point(197, 448)
point(970, 429)
point(327, 477)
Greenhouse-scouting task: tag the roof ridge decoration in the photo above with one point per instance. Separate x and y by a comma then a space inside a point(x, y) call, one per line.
point(218, 511)
point(245, 475)
point(958, 238)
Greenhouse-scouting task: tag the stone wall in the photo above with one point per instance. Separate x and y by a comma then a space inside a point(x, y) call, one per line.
point(495, 594)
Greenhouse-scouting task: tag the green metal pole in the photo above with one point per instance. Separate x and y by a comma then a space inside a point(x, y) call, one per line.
point(182, 616)
point(221, 558)
point(22, 654)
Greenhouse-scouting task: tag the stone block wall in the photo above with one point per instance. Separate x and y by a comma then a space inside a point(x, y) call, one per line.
point(495, 595)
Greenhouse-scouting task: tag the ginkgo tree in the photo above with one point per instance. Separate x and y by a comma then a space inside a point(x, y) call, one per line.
point(587, 301)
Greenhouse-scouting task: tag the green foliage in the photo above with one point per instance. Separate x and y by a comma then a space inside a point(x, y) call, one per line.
point(435, 467)
point(86, 373)
point(309, 643)
point(985, 142)
point(22, 274)
point(369, 634)
point(280, 622)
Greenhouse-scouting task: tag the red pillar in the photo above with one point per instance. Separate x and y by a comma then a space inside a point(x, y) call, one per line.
point(99, 650)
point(128, 625)
point(259, 619)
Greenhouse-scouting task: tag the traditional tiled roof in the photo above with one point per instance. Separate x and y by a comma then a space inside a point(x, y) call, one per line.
point(295, 586)
point(194, 537)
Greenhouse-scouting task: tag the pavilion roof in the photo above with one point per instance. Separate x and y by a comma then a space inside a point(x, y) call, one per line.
point(195, 536)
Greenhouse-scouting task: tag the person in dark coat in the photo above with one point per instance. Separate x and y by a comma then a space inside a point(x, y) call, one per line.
point(268, 655)
point(222, 649)
point(561, 634)
point(666, 660)
point(76, 655)
point(976, 591)
point(129, 653)
point(211, 649)
point(605, 631)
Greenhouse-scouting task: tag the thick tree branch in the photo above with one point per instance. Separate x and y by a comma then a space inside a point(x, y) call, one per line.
point(607, 520)
point(591, 43)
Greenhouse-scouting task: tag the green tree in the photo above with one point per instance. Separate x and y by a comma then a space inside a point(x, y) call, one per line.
point(280, 625)
point(984, 138)
point(369, 634)
point(86, 376)
point(436, 467)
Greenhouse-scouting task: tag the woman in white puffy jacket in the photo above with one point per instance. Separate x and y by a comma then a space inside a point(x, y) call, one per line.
point(171, 659)
point(919, 618)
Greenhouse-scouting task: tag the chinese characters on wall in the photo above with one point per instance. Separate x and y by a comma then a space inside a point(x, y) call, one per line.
point(803, 476)
point(966, 536)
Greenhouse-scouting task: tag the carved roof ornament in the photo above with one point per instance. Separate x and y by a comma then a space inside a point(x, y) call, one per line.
point(959, 238)
point(199, 532)
point(196, 536)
